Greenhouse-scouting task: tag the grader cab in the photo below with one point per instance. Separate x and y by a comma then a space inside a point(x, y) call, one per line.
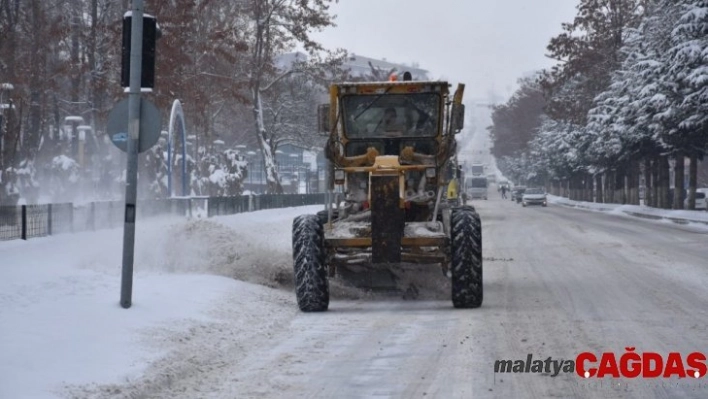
point(391, 148)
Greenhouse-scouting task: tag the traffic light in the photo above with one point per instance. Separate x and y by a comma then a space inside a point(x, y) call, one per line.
point(150, 35)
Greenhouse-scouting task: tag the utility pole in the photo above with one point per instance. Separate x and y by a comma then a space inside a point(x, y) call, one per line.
point(131, 179)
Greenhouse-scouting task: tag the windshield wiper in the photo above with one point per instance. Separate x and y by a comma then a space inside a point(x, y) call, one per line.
point(373, 102)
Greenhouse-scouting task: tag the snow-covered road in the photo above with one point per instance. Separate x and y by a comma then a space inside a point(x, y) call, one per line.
point(558, 282)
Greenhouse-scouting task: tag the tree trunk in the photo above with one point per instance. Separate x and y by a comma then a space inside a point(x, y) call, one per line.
point(609, 186)
point(663, 172)
point(583, 180)
point(633, 182)
point(572, 188)
point(679, 183)
point(75, 54)
point(266, 147)
point(620, 193)
point(9, 130)
point(655, 198)
point(648, 197)
point(609, 190)
point(38, 60)
point(600, 193)
point(692, 180)
point(629, 183)
point(91, 58)
point(261, 50)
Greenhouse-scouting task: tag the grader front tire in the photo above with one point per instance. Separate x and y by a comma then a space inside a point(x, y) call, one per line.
point(311, 285)
point(466, 259)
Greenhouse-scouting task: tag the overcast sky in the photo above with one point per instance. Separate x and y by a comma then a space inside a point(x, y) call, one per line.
point(487, 44)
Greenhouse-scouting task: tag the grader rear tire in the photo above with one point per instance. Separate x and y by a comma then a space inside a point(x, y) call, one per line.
point(311, 286)
point(466, 259)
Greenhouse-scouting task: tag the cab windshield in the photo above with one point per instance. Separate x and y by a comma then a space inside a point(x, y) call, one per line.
point(391, 115)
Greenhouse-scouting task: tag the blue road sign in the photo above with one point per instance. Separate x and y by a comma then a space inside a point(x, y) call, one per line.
point(150, 125)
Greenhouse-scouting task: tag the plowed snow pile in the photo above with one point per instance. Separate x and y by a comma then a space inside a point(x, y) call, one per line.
point(207, 246)
point(257, 248)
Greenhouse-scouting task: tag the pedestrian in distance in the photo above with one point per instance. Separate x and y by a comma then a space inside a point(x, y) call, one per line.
point(503, 190)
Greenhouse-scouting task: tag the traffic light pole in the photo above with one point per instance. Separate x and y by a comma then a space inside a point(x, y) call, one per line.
point(131, 178)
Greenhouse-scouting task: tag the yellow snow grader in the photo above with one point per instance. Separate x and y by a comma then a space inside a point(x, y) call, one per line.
point(392, 156)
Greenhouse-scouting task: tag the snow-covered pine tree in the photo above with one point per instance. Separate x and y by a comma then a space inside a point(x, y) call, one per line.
point(687, 75)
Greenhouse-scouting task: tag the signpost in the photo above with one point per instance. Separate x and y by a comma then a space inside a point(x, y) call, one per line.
point(138, 133)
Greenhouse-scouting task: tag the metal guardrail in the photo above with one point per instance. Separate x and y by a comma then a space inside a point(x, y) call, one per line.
point(29, 221)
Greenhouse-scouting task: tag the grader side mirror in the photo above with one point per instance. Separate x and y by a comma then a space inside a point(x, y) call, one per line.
point(458, 117)
point(323, 119)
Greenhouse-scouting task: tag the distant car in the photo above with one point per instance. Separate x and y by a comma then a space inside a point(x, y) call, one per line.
point(701, 201)
point(516, 193)
point(534, 196)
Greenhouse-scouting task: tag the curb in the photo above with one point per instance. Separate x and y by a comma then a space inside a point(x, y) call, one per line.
point(676, 220)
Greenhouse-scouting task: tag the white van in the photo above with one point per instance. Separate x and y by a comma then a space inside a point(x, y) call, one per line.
point(701, 200)
point(476, 187)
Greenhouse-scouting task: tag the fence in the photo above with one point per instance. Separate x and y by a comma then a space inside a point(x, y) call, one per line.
point(28, 221)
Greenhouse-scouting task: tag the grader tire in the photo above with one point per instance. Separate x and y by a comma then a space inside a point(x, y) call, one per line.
point(466, 259)
point(311, 286)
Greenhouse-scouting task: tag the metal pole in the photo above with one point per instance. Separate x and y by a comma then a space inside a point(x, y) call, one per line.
point(169, 165)
point(131, 180)
point(183, 128)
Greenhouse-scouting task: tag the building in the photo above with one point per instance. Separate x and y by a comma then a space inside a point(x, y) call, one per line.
point(300, 170)
point(359, 66)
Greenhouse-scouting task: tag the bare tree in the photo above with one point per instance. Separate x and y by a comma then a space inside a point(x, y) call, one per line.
point(276, 26)
point(289, 108)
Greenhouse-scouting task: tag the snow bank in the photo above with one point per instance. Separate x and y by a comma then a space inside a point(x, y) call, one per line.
point(693, 218)
point(59, 313)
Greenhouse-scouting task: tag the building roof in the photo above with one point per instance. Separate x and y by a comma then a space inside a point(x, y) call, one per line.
point(359, 65)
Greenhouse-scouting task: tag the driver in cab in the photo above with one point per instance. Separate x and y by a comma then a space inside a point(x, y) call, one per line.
point(389, 124)
point(390, 128)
